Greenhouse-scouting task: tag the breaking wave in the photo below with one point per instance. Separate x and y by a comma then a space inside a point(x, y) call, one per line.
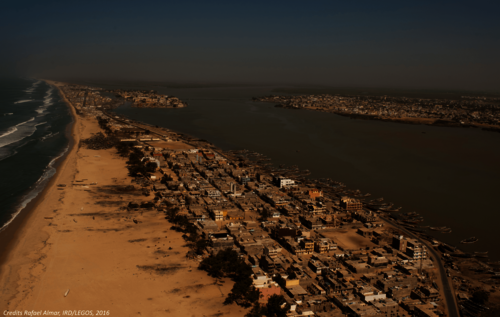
point(45, 137)
point(33, 87)
point(24, 130)
point(47, 101)
point(23, 101)
point(40, 184)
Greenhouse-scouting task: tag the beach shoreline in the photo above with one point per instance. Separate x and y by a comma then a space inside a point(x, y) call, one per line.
point(12, 234)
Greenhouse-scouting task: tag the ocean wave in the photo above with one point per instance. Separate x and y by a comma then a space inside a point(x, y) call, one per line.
point(50, 169)
point(8, 114)
point(22, 123)
point(47, 102)
point(23, 101)
point(40, 184)
point(33, 87)
point(23, 130)
point(14, 128)
point(5, 153)
point(45, 137)
point(10, 131)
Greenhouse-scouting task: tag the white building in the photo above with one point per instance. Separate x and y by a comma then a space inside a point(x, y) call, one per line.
point(281, 181)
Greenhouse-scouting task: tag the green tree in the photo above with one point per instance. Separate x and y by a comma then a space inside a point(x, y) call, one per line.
point(243, 292)
point(257, 311)
point(200, 246)
point(151, 167)
point(481, 296)
point(277, 306)
point(227, 263)
point(280, 280)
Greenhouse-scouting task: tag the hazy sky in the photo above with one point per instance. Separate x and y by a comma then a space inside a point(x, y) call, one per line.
point(419, 44)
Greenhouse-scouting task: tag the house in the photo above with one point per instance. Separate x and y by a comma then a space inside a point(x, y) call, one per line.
point(369, 293)
point(235, 215)
point(324, 245)
point(283, 182)
point(426, 294)
point(350, 204)
point(212, 193)
point(221, 240)
point(315, 193)
point(217, 215)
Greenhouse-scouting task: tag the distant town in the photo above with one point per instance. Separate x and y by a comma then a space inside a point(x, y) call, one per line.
point(147, 99)
point(314, 247)
point(482, 112)
point(93, 97)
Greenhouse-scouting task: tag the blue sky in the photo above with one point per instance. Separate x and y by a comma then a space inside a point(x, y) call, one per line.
point(425, 44)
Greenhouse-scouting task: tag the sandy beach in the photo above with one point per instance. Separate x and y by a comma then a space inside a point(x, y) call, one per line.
point(80, 241)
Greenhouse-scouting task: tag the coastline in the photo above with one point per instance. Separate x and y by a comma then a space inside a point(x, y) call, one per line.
point(405, 120)
point(97, 257)
point(11, 236)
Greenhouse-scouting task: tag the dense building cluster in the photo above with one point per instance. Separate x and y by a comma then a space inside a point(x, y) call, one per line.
point(148, 99)
point(467, 111)
point(92, 100)
point(326, 255)
point(88, 100)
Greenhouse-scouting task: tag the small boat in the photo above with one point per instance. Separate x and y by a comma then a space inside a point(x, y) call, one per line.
point(470, 240)
point(481, 253)
point(442, 229)
point(395, 209)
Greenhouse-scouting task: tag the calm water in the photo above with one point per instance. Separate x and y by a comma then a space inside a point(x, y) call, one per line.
point(448, 175)
point(33, 120)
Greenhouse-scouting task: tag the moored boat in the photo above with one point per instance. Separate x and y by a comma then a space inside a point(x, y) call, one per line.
point(441, 229)
point(470, 240)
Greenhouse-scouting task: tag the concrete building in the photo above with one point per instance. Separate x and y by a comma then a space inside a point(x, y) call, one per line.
point(315, 193)
point(324, 245)
point(218, 215)
point(350, 204)
point(399, 243)
point(282, 182)
point(416, 250)
point(369, 293)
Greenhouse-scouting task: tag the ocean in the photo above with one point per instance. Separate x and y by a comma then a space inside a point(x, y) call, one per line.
point(33, 125)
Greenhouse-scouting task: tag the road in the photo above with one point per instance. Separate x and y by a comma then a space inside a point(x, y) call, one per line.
point(449, 294)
